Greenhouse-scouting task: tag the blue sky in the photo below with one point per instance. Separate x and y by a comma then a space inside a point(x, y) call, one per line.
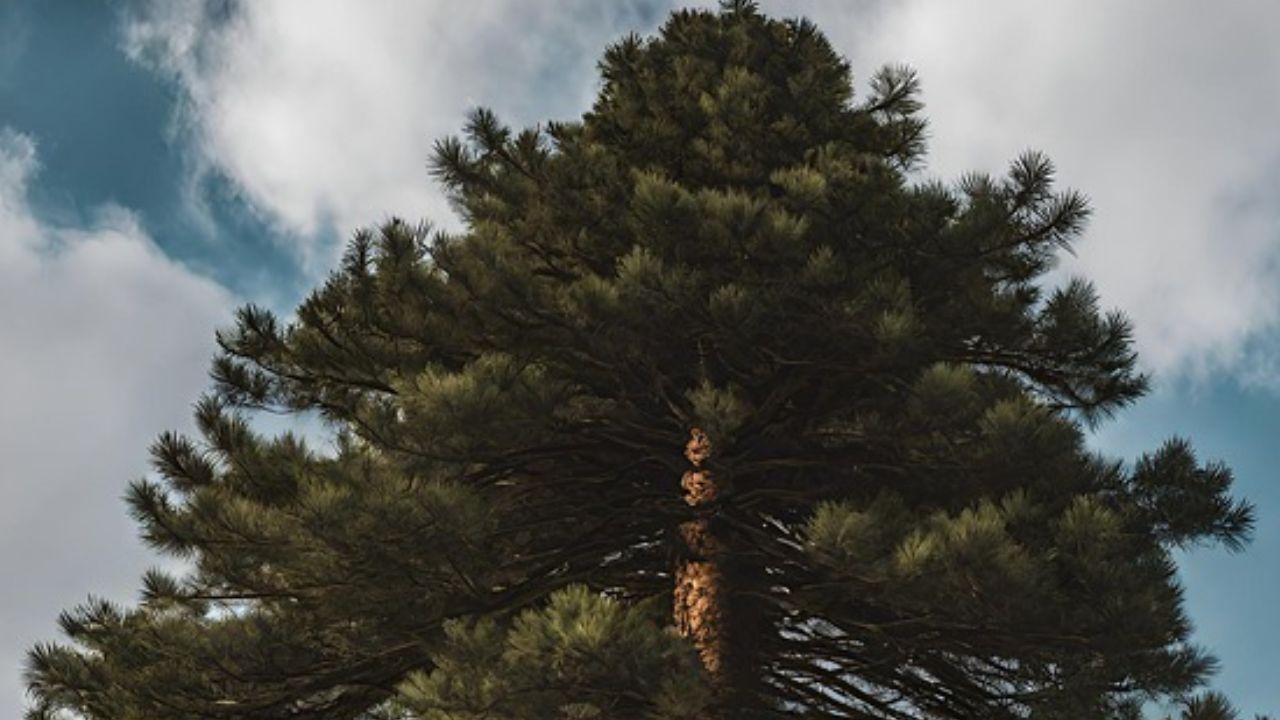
point(162, 161)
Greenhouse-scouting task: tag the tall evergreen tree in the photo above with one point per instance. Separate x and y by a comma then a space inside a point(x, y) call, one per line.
point(713, 410)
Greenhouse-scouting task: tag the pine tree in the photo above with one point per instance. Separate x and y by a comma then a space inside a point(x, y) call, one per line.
point(714, 409)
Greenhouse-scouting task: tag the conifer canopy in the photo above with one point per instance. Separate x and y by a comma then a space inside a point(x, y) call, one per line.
point(891, 403)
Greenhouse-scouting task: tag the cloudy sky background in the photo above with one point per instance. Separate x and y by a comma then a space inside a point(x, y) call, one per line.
point(162, 161)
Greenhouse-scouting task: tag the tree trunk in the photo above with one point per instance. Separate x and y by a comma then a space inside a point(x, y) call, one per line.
point(709, 607)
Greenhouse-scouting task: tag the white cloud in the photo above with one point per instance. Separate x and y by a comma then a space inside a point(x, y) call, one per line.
point(1159, 111)
point(103, 343)
point(321, 111)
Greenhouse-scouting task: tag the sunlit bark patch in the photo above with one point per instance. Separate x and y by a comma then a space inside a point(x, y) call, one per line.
point(700, 592)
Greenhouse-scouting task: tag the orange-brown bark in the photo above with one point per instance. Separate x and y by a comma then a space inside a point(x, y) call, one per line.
point(700, 588)
point(706, 610)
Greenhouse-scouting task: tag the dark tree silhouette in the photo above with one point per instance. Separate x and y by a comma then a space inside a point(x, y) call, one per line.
point(712, 410)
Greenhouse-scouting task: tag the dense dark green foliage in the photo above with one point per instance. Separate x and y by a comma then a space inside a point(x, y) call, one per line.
point(727, 240)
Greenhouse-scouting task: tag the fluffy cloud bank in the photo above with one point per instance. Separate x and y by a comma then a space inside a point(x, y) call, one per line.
point(1156, 110)
point(322, 113)
point(103, 343)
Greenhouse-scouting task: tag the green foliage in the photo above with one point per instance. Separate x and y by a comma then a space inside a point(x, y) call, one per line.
point(582, 656)
point(728, 240)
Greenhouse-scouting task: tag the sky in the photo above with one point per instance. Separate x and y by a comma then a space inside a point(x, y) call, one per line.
point(163, 161)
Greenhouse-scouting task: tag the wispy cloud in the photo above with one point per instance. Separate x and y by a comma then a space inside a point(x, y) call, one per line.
point(103, 342)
